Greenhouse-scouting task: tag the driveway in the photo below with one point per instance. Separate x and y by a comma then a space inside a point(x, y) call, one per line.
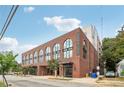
point(19, 81)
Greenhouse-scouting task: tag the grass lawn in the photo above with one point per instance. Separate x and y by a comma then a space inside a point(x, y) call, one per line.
point(120, 78)
point(2, 84)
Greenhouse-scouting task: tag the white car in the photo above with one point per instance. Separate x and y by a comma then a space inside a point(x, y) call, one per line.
point(110, 74)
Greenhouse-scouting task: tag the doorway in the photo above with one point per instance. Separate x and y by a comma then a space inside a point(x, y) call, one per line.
point(67, 70)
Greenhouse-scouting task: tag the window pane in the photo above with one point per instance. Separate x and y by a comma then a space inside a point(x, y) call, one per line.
point(35, 58)
point(67, 48)
point(56, 49)
point(84, 49)
point(41, 56)
point(48, 53)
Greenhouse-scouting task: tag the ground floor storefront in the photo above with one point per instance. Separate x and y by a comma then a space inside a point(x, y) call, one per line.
point(65, 70)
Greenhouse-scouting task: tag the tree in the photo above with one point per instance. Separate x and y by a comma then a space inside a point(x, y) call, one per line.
point(7, 61)
point(25, 70)
point(17, 68)
point(108, 50)
point(113, 51)
point(53, 65)
point(32, 71)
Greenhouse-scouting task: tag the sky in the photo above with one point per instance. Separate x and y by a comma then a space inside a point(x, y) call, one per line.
point(35, 25)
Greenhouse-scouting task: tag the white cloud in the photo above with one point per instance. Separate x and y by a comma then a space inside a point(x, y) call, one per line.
point(28, 9)
point(8, 44)
point(62, 24)
point(22, 48)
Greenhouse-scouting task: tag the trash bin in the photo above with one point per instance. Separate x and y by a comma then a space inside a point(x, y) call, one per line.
point(87, 75)
point(93, 75)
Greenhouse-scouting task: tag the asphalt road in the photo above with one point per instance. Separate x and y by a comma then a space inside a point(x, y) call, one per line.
point(18, 81)
point(26, 83)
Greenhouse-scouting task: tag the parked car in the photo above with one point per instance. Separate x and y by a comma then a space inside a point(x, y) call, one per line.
point(110, 74)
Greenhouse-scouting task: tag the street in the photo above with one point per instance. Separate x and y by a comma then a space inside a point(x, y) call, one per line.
point(20, 81)
point(27, 83)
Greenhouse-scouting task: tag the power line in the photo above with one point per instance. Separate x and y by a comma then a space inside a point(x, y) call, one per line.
point(9, 18)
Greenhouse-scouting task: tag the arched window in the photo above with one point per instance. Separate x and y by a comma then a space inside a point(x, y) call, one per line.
point(56, 51)
point(68, 48)
point(26, 59)
point(23, 60)
point(30, 59)
point(41, 56)
point(48, 53)
point(35, 57)
point(84, 49)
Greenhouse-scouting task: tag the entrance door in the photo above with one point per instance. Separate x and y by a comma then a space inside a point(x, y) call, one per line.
point(68, 70)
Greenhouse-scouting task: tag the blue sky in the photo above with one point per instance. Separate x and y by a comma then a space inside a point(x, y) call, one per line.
point(34, 25)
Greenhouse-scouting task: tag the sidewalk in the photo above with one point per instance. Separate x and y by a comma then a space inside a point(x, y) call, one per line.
point(87, 80)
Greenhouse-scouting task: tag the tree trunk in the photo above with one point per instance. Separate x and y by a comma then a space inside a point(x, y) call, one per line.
point(55, 73)
point(4, 78)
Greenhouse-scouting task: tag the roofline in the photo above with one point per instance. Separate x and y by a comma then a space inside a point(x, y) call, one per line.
point(52, 40)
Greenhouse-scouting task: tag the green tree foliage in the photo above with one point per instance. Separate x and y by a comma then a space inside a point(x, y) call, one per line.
point(25, 70)
point(32, 71)
point(29, 70)
point(53, 65)
point(113, 50)
point(17, 67)
point(7, 62)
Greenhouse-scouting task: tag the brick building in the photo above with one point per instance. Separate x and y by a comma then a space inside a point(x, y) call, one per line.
point(75, 53)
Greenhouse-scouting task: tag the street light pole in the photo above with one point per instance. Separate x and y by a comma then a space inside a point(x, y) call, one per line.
point(104, 68)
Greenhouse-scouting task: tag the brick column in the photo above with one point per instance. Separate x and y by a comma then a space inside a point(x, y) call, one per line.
point(38, 70)
point(61, 70)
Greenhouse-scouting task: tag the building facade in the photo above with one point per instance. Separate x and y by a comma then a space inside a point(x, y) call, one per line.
point(75, 53)
point(92, 34)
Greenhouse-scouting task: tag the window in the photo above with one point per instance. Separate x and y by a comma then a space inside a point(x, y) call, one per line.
point(26, 59)
point(35, 57)
point(68, 48)
point(23, 60)
point(30, 59)
point(84, 49)
point(56, 51)
point(41, 56)
point(48, 53)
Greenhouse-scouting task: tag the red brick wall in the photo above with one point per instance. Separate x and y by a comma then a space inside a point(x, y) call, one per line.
point(80, 65)
point(89, 63)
